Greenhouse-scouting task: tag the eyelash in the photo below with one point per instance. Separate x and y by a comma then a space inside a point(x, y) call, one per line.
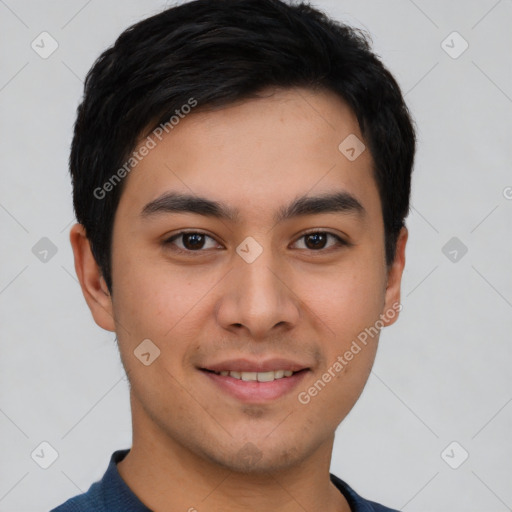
point(169, 241)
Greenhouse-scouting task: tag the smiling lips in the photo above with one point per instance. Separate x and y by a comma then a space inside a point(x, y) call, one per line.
point(257, 376)
point(241, 366)
point(256, 381)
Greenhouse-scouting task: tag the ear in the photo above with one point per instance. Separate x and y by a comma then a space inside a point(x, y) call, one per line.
point(392, 298)
point(93, 285)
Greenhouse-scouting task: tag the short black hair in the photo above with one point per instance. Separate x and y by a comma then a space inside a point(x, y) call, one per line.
point(217, 52)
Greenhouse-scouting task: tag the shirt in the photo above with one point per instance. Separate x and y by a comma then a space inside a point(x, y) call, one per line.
point(112, 494)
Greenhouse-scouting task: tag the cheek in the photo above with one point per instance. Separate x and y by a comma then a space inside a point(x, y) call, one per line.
point(346, 298)
point(159, 302)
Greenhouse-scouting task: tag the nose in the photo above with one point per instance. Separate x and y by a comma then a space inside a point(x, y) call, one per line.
point(258, 297)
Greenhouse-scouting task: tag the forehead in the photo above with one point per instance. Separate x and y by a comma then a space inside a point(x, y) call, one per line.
point(254, 154)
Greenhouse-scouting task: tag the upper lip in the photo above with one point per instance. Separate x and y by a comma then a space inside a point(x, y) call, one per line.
point(246, 365)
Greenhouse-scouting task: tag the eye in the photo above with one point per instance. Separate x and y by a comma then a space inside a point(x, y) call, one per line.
point(195, 241)
point(316, 240)
point(191, 241)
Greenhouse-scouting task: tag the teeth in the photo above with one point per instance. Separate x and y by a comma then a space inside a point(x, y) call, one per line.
point(257, 376)
point(266, 376)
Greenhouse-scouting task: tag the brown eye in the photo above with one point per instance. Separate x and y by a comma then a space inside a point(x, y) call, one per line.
point(317, 240)
point(191, 241)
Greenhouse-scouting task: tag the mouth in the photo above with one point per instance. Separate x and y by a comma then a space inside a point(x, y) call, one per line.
point(255, 383)
point(268, 376)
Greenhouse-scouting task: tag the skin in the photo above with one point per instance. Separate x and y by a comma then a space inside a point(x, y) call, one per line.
point(293, 301)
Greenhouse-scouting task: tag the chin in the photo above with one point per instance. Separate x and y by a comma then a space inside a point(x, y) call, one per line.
point(250, 459)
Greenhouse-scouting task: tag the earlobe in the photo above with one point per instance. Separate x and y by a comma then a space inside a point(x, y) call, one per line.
point(392, 299)
point(94, 287)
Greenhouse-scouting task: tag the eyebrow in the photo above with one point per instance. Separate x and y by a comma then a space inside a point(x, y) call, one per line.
point(175, 202)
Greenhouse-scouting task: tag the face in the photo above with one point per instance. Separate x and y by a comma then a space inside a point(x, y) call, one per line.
point(249, 284)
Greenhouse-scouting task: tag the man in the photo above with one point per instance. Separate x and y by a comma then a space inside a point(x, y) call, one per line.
point(241, 174)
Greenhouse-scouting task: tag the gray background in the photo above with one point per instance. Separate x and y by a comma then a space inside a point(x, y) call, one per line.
point(442, 372)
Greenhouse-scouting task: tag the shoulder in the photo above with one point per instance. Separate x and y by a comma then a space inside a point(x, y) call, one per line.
point(105, 495)
point(90, 500)
point(358, 503)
